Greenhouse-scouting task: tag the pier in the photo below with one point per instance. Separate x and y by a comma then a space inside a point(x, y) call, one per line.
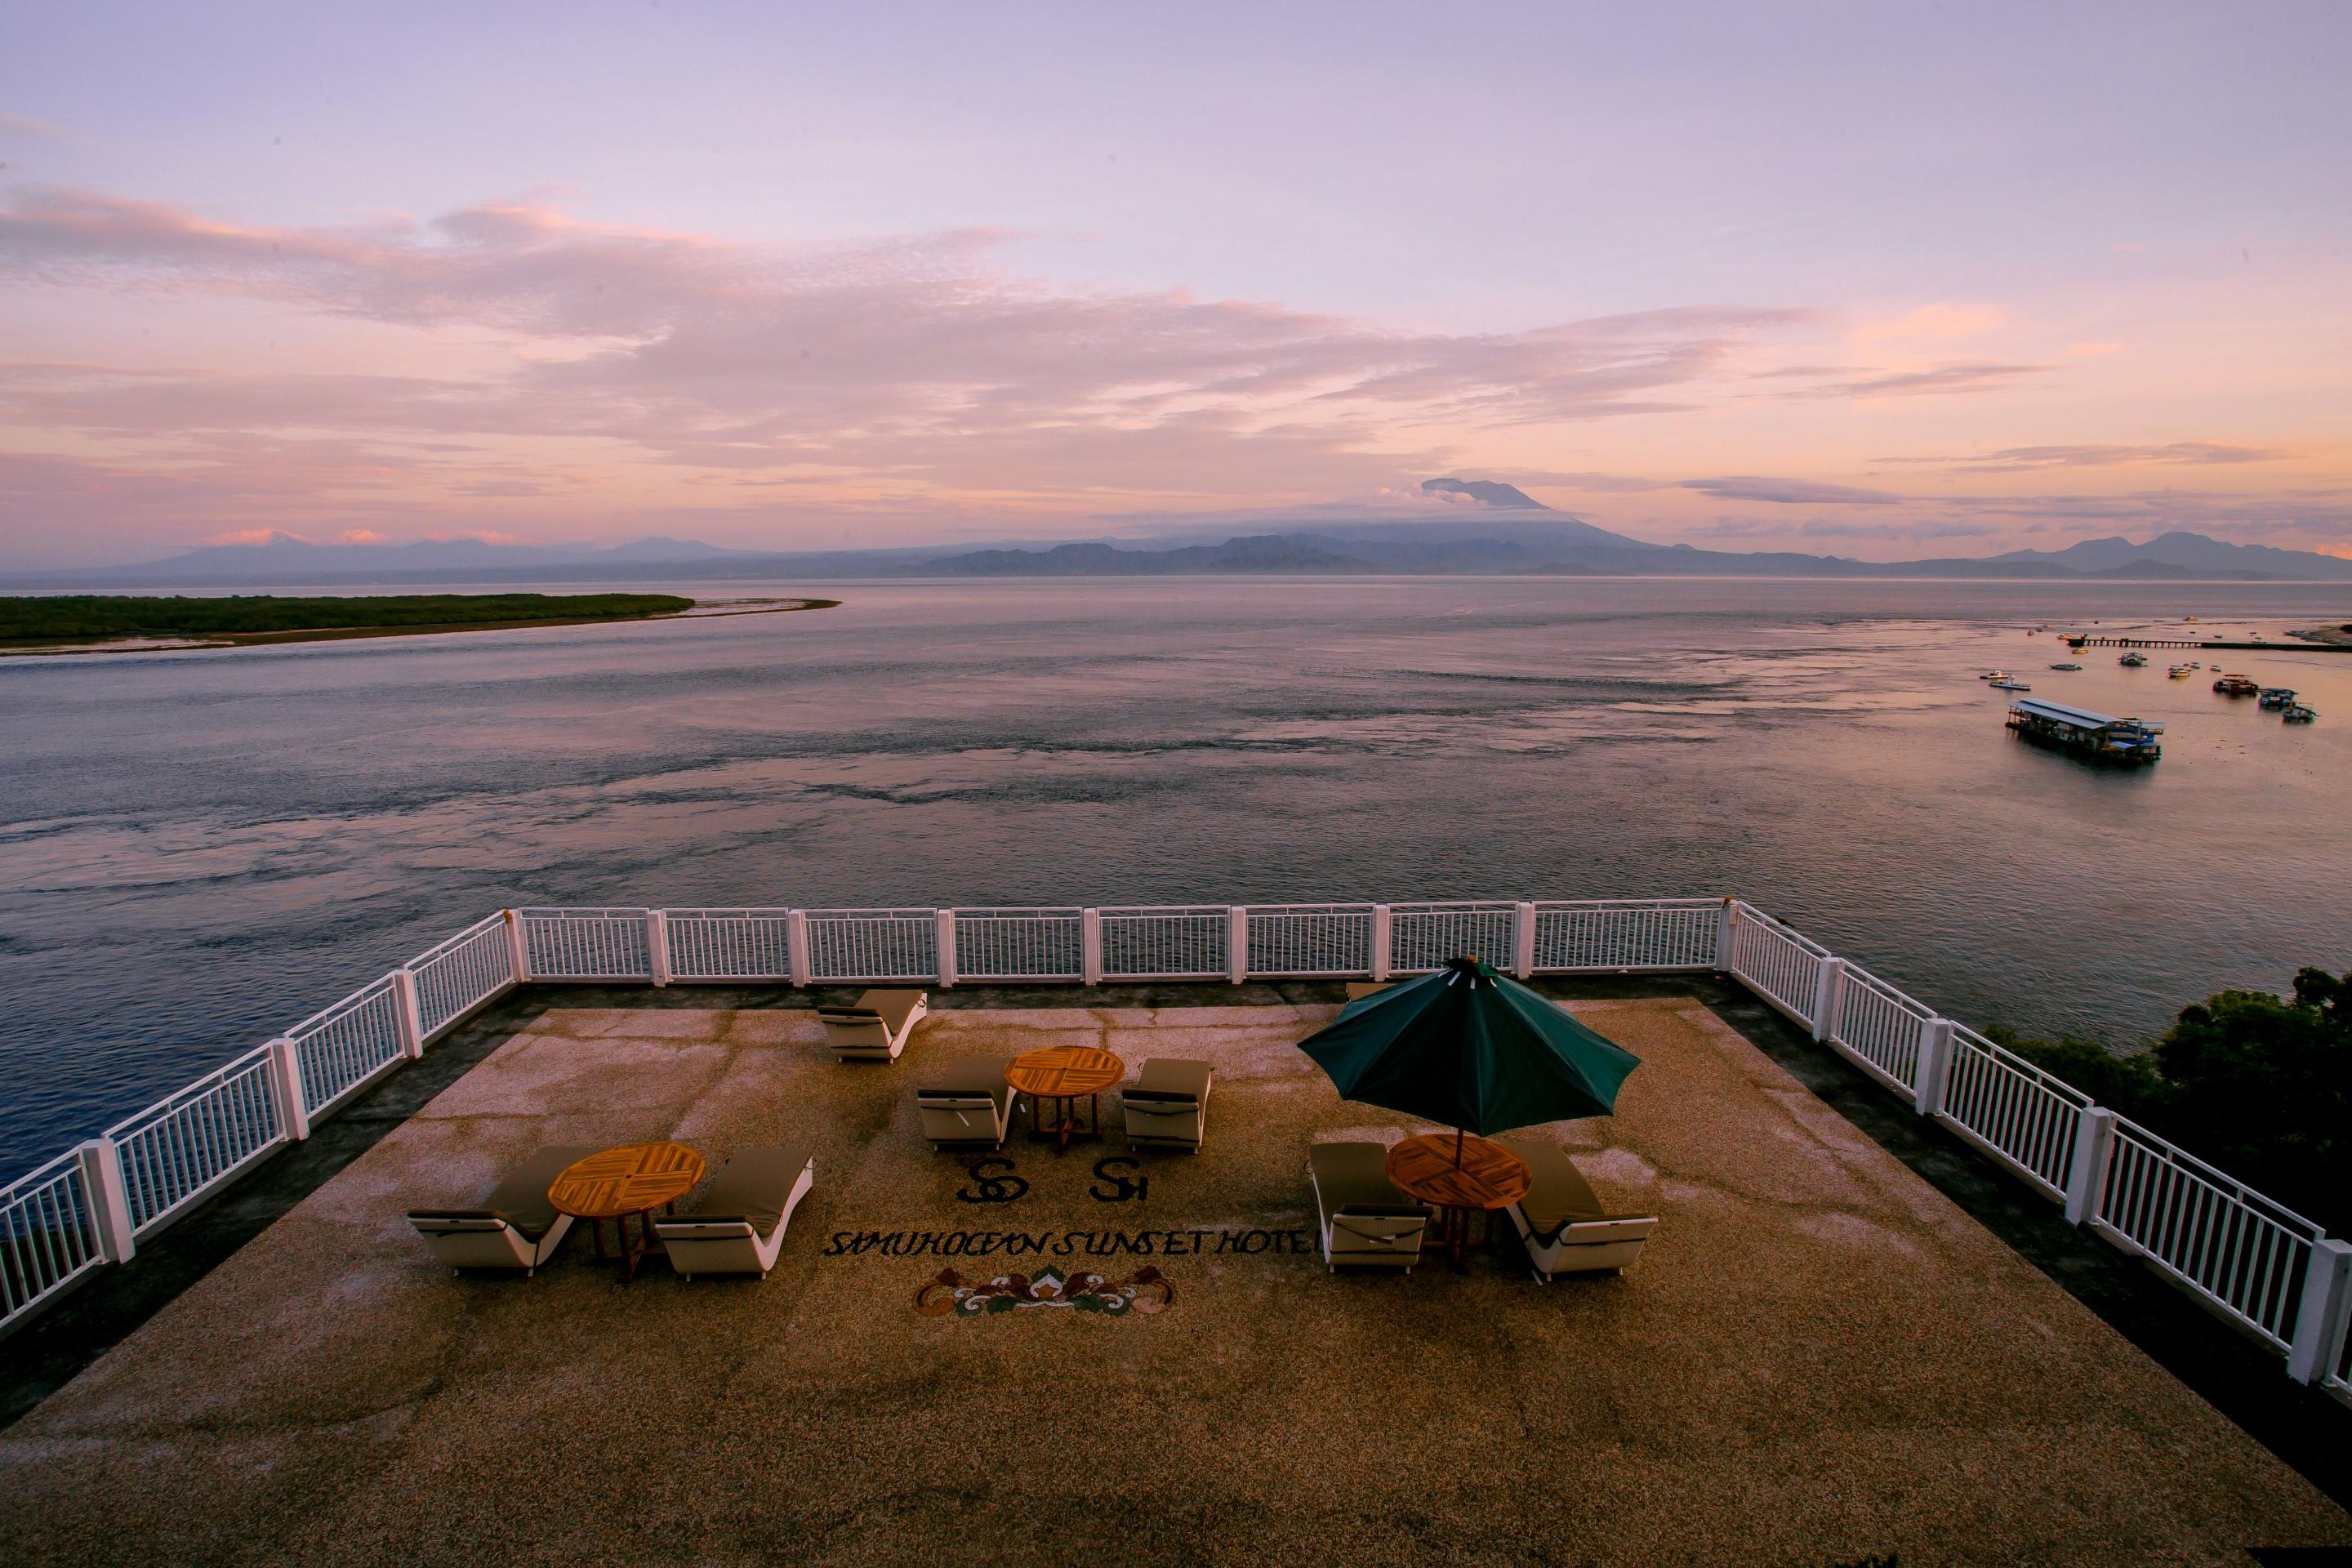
point(2085, 639)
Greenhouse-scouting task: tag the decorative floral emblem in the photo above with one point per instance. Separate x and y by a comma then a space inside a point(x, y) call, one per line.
point(951, 1294)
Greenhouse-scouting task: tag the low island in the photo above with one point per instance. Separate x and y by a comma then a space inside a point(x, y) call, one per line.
point(98, 622)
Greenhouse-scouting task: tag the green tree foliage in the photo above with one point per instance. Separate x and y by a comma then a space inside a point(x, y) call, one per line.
point(2260, 1085)
point(67, 617)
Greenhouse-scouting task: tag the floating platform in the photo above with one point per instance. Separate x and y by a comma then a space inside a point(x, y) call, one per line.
point(2097, 737)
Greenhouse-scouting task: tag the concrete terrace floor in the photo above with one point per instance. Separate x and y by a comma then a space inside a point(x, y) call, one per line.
point(1819, 1358)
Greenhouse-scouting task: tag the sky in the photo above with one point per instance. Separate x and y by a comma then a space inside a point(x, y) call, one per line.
point(1869, 281)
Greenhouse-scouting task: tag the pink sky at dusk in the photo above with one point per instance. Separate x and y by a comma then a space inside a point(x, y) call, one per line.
point(1850, 282)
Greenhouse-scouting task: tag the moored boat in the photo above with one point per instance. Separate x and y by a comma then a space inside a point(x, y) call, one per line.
point(2180, 672)
point(2277, 696)
point(2099, 736)
point(2066, 667)
point(2299, 714)
point(2235, 686)
point(2007, 684)
point(2133, 660)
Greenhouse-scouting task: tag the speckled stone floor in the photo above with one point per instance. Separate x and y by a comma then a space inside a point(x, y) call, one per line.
point(1819, 1359)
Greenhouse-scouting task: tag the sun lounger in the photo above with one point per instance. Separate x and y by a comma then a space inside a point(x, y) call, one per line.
point(740, 1227)
point(1562, 1221)
point(875, 1027)
point(1366, 1222)
point(1167, 1104)
point(515, 1227)
point(966, 1102)
point(1359, 989)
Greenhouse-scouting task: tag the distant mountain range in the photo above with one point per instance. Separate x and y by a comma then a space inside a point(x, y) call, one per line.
point(1491, 541)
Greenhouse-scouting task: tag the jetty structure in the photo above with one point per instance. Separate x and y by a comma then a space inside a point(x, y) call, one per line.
point(1908, 1295)
point(2100, 737)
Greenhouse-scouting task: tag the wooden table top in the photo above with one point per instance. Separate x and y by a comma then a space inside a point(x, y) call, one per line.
point(1064, 1071)
point(630, 1179)
point(1490, 1177)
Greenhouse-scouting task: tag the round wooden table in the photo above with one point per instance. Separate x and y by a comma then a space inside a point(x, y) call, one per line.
point(633, 1179)
point(1066, 1075)
point(1490, 1177)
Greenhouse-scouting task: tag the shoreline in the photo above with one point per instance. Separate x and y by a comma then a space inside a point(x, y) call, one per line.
point(214, 640)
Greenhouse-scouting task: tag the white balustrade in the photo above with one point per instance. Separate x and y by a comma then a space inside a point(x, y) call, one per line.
point(2264, 1265)
point(48, 1236)
point(185, 1145)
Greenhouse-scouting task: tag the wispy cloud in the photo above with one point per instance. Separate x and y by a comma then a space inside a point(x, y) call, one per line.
point(1952, 376)
point(1789, 492)
point(2008, 459)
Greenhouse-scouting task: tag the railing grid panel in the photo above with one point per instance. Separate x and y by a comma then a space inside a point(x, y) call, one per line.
point(585, 944)
point(1572, 937)
point(1881, 1025)
point(2014, 1108)
point(181, 1148)
point(462, 974)
point(1423, 937)
point(1166, 943)
point(348, 1043)
point(47, 1237)
point(730, 945)
point(873, 944)
point(1020, 944)
point(1777, 961)
point(1309, 939)
point(2229, 1244)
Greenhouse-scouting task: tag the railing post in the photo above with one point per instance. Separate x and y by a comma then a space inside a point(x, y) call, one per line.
point(1090, 946)
point(2094, 1143)
point(1380, 943)
point(286, 1088)
point(1829, 998)
point(947, 948)
point(2320, 1325)
point(109, 1199)
point(797, 954)
point(518, 956)
point(1934, 1064)
point(1523, 929)
point(1236, 943)
point(657, 946)
point(409, 1012)
point(1726, 926)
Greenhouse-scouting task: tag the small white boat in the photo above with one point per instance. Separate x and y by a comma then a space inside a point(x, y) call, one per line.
point(2180, 672)
point(2133, 660)
point(1994, 675)
point(2005, 684)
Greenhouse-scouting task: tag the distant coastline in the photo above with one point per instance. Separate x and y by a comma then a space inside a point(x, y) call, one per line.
point(47, 626)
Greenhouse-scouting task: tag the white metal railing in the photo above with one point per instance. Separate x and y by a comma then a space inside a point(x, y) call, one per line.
point(873, 944)
point(584, 944)
point(2256, 1260)
point(1307, 939)
point(185, 1145)
point(453, 977)
point(1423, 937)
point(342, 1047)
point(2232, 1245)
point(1181, 942)
point(1657, 934)
point(730, 945)
point(1020, 944)
point(2012, 1108)
point(47, 1239)
point(1880, 1027)
point(1777, 964)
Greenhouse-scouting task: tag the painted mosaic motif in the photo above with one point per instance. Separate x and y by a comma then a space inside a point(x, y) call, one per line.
point(953, 1295)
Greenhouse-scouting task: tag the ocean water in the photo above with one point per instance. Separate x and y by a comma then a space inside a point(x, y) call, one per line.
point(197, 849)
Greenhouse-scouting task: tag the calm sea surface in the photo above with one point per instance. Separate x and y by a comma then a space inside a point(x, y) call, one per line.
point(199, 848)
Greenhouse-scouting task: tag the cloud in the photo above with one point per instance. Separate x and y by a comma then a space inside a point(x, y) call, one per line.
point(910, 365)
point(2009, 458)
point(361, 536)
point(25, 128)
point(1789, 492)
point(1942, 319)
point(1954, 376)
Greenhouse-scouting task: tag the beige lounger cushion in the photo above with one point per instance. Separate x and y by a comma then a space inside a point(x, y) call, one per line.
point(1360, 989)
point(1565, 1228)
point(1167, 1102)
point(1173, 1077)
point(965, 1100)
point(1560, 1195)
point(893, 1007)
point(754, 1185)
point(1366, 1220)
point(515, 1227)
point(520, 1197)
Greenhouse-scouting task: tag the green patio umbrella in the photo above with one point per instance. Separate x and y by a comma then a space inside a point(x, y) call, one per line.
point(1471, 1050)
